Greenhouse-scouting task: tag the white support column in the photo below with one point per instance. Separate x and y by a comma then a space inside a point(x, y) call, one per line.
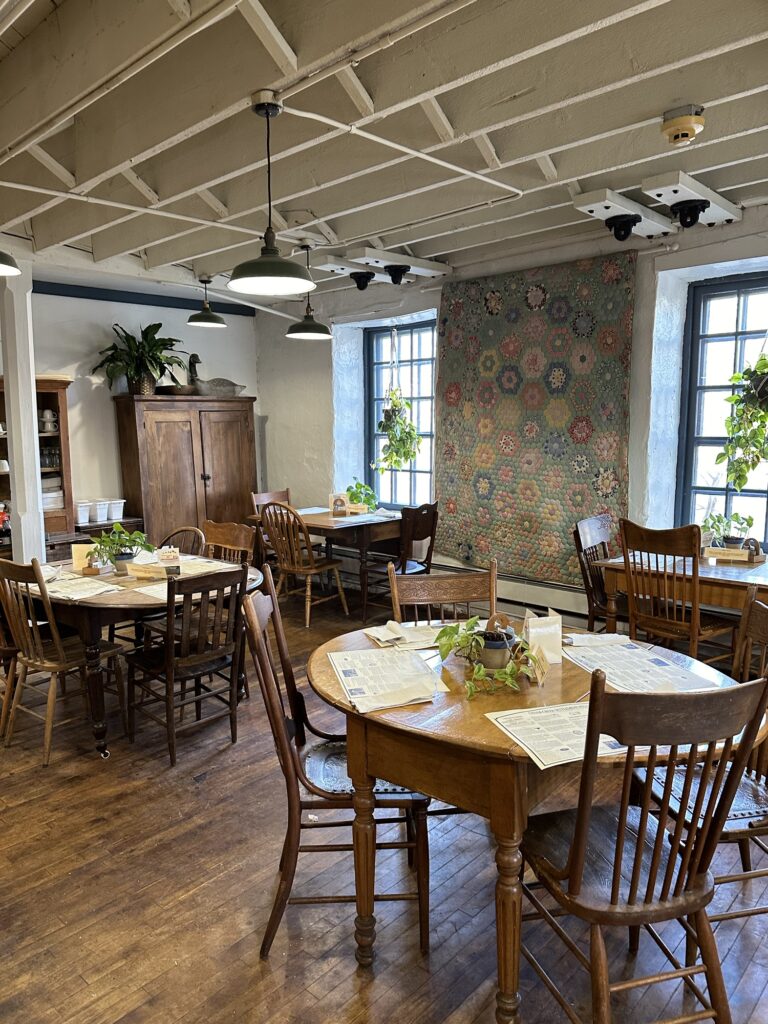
point(27, 528)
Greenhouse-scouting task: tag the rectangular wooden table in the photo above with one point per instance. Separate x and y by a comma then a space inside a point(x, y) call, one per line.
point(720, 586)
point(363, 532)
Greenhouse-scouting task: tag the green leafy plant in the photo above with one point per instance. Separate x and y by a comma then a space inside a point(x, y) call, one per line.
point(747, 426)
point(522, 664)
point(119, 542)
point(145, 356)
point(361, 494)
point(722, 526)
point(462, 638)
point(403, 440)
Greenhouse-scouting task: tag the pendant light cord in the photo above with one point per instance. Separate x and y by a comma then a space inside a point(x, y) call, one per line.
point(269, 176)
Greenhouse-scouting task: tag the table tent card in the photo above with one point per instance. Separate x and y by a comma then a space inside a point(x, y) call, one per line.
point(545, 633)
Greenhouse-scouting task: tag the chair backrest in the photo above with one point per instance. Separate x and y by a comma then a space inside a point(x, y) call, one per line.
point(750, 661)
point(662, 573)
point(703, 763)
point(207, 622)
point(288, 535)
point(229, 542)
point(591, 538)
point(260, 498)
point(442, 597)
point(188, 539)
point(22, 587)
point(259, 611)
point(418, 524)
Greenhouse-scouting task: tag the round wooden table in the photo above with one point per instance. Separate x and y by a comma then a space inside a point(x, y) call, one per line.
point(449, 750)
point(89, 616)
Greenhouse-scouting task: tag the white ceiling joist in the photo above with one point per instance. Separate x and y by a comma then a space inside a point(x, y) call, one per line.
point(269, 35)
point(356, 91)
point(181, 9)
point(487, 152)
point(215, 204)
point(58, 170)
point(438, 120)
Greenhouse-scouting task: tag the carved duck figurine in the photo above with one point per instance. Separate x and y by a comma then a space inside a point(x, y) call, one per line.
point(218, 386)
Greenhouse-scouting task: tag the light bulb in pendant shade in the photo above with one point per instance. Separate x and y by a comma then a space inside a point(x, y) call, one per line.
point(8, 265)
point(269, 274)
point(308, 329)
point(206, 317)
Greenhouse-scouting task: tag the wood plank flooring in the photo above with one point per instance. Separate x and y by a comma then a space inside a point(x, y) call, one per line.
point(133, 893)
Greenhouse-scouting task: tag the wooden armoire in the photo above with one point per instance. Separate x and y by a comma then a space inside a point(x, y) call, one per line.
point(186, 459)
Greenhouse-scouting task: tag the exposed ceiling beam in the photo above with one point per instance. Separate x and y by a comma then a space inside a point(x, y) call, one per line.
point(11, 11)
point(215, 204)
point(356, 91)
point(181, 9)
point(140, 185)
point(438, 120)
point(53, 165)
point(269, 35)
point(547, 167)
point(488, 153)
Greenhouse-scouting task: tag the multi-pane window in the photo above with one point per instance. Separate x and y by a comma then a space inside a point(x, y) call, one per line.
point(727, 329)
point(402, 357)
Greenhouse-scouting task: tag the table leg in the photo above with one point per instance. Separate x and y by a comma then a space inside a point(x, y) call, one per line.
point(508, 822)
point(364, 581)
point(611, 607)
point(95, 681)
point(363, 841)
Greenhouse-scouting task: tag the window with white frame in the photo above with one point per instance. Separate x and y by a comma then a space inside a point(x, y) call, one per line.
point(726, 329)
point(402, 357)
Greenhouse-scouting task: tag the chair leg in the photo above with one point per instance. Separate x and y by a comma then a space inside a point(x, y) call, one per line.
point(342, 595)
point(422, 872)
point(634, 938)
point(410, 835)
point(233, 702)
point(10, 686)
point(131, 703)
point(307, 602)
point(18, 690)
point(199, 701)
point(50, 710)
point(745, 852)
point(691, 946)
point(717, 993)
point(601, 995)
point(287, 873)
point(117, 668)
point(170, 721)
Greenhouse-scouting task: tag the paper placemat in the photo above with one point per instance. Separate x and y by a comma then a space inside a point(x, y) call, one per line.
point(551, 735)
point(633, 668)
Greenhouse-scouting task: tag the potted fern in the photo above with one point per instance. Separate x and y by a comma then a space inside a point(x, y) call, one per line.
point(142, 361)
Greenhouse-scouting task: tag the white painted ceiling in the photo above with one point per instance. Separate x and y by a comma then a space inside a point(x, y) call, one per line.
point(144, 105)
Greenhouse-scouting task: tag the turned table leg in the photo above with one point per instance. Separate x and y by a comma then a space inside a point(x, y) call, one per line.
point(91, 637)
point(507, 823)
point(611, 606)
point(363, 841)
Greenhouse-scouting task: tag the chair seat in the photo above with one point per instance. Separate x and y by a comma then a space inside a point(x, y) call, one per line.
point(750, 804)
point(325, 765)
point(547, 842)
point(151, 661)
point(321, 565)
point(412, 568)
point(74, 653)
point(710, 624)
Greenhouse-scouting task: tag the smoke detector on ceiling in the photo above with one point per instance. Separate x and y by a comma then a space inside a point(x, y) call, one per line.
point(683, 124)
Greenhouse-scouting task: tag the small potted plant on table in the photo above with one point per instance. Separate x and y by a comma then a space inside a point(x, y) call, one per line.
point(499, 660)
point(119, 547)
point(727, 531)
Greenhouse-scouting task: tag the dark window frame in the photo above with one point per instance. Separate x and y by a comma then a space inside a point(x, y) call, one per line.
point(372, 477)
point(698, 293)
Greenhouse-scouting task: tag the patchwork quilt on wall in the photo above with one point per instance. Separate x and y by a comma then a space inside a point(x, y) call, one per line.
point(532, 414)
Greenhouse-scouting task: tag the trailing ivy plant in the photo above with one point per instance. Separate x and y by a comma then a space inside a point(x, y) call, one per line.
point(403, 440)
point(361, 494)
point(522, 664)
point(747, 426)
point(462, 638)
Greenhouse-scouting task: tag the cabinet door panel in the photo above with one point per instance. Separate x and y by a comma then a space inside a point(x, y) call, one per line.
point(230, 463)
point(174, 491)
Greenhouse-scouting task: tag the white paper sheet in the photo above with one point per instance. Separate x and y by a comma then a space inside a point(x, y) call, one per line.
point(637, 669)
point(385, 678)
point(551, 735)
point(593, 639)
point(157, 590)
point(403, 636)
point(194, 566)
point(78, 588)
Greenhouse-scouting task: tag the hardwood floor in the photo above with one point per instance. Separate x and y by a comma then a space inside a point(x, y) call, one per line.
point(136, 893)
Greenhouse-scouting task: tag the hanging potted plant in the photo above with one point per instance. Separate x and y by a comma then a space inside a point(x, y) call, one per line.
point(747, 425)
point(402, 439)
point(142, 361)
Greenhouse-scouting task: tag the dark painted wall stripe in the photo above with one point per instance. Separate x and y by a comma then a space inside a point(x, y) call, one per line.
point(78, 291)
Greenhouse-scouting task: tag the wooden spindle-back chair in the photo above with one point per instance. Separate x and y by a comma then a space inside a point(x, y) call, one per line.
point(41, 649)
point(289, 537)
point(418, 524)
point(591, 538)
point(631, 863)
point(664, 596)
point(258, 500)
point(207, 629)
point(188, 539)
point(8, 655)
point(229, 542)
point(303, 771)
point(443, 597)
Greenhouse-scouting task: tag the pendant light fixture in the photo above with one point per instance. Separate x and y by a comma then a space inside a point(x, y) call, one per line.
point(270, 274)
point(8, 265)
point(206, 317)
point(308, 329)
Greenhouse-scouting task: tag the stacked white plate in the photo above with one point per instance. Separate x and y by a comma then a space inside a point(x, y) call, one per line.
point(53, 500)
